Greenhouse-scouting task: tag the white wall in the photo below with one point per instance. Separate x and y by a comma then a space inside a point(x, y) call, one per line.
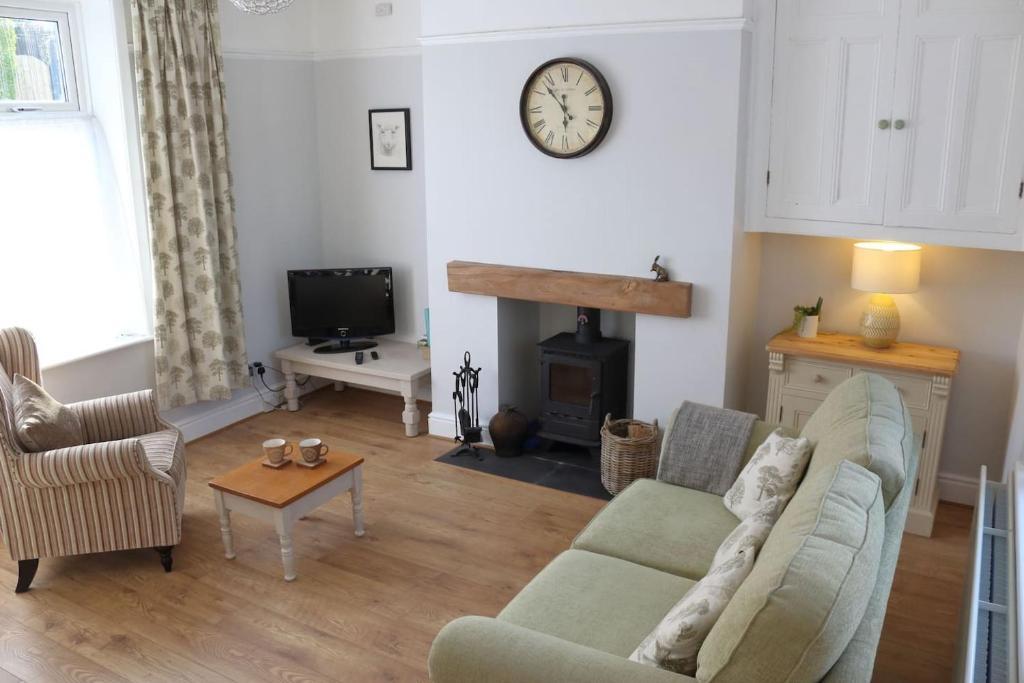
point(351, 26)
point(450, 17)
point(663, 182)
point(287, 33)
point(372, 218)
point(969, 299)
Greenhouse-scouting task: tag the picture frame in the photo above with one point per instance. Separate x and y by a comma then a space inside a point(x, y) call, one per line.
point(390, 140)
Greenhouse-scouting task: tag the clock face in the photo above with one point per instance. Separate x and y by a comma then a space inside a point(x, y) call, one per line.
point(566, 108)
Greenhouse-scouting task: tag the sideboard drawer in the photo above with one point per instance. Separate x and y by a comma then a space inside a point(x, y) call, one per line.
point(915, 391)
point(819, 378)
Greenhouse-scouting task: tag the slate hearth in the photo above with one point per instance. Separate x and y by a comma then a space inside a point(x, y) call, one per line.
point(563, 467)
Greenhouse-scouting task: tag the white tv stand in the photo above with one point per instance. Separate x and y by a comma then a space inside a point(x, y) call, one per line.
point(400, 369)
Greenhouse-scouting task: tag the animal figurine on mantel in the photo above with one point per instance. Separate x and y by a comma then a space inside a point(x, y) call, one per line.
point(660, 274)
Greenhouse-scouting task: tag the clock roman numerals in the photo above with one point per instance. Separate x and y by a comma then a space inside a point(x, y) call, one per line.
point(565, 108)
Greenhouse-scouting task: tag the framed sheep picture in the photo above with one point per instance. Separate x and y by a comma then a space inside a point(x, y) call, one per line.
point(390, 144)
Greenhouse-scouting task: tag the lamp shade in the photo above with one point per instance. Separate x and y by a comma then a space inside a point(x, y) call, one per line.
point(886, 267)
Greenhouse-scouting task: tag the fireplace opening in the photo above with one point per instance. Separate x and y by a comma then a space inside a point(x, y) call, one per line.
point(584, 376)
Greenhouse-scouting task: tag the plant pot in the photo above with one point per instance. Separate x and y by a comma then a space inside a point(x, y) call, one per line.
point(508, 430)
point(808, 327)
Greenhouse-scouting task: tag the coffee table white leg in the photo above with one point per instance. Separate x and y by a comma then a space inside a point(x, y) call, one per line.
point(339, 386)
point(411, 414)
point(284, 532)
point(357, 500)
point(225, 524)
point(291, 389)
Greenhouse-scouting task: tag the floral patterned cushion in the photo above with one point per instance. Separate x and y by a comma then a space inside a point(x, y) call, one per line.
point(676, 640)
point(771, 476)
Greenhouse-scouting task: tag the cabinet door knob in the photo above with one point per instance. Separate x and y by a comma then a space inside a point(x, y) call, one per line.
point(883, 123)
point(818, 379)
point(899, 124)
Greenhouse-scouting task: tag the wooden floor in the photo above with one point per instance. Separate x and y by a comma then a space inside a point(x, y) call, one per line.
point(441, 542)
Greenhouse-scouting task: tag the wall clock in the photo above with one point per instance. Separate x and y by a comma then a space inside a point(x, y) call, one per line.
point(566, 107)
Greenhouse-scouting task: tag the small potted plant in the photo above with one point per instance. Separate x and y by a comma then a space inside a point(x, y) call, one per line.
point(805, 319)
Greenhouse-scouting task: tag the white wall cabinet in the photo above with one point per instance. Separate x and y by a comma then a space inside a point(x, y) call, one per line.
point(898, 119)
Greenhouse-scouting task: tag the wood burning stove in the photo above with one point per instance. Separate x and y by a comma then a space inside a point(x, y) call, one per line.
point(583, 378)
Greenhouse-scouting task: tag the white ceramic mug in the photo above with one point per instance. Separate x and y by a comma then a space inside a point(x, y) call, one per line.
point(312, 449)
point(276, 450)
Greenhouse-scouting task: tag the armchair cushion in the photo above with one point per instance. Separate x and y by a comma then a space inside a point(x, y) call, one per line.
point(42, 423)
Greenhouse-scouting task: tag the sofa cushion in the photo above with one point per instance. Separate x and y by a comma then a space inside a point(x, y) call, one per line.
point(797, 611)
point(862, 420)
point(662, 526)
point(594, 600)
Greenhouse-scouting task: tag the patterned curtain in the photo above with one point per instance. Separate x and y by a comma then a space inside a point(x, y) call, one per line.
point(200, 342)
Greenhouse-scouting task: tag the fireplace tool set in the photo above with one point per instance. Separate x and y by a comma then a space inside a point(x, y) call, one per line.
point(467, 408)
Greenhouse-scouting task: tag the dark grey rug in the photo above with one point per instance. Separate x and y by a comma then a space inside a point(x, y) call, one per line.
point(563, 467)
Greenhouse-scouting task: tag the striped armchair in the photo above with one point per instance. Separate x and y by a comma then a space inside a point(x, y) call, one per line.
point(123, 489)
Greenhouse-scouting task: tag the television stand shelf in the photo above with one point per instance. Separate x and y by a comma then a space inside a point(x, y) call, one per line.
point(400, 369)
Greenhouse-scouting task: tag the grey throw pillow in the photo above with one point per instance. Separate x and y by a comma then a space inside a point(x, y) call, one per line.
point(41, 422)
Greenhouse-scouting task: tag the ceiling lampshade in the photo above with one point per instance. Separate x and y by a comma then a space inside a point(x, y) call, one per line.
point(886, 267)
point(261, 6)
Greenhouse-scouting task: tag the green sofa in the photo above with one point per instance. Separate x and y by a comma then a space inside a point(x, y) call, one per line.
point(811, 609)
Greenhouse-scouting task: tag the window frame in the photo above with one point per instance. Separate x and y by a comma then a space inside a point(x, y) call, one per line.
point(68, 30)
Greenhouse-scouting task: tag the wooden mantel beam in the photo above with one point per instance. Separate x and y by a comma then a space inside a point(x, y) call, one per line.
point(608, 292)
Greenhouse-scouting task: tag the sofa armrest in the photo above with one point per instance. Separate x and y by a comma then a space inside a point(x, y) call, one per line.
point(92, 462)
point(119, 417)
point(473, 649)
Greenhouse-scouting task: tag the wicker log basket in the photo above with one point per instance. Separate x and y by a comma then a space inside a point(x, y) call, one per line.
point(629, 451)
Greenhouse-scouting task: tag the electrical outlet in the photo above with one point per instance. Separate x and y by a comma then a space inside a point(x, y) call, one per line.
point(383, 9)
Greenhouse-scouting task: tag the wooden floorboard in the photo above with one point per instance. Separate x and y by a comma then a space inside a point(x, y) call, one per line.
point(441, 542)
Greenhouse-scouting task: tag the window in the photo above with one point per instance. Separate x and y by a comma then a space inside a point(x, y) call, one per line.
point(37, 64)
point(70, 236)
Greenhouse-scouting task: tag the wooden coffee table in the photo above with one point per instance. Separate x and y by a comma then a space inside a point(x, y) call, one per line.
point(284, 495)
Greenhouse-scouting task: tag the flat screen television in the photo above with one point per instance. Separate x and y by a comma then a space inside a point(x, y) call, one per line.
point(341, 304)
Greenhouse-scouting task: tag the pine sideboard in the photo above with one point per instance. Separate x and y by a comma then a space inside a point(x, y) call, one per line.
point(802, 372)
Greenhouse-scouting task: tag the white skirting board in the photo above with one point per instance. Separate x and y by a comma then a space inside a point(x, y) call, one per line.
point(956, 488)
point(443, 425)
point(220, 414)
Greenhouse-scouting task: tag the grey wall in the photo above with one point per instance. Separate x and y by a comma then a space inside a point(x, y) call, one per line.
point(274, 162)
point(969, 299)
point(372, 217)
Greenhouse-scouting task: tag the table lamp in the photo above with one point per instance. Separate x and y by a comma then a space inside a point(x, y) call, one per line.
point(884, 269)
